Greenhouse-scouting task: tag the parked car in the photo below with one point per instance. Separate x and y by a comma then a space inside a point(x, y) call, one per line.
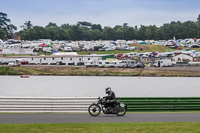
point(23, 61)
point(179, 48)
point(140, 65)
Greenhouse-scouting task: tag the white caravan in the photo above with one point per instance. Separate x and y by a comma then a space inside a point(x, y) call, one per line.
point(68, 49)
point(127, 63)
point(91, 63)
point(104, 63)
point(162, 63)
point(117, 63)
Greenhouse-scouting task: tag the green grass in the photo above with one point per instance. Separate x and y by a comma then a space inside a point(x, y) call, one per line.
point(8, 71)
point(146, 48)
point(196, 49)
point(26, 70)
point(16, 54)
point(168, 127)
point(43, 53)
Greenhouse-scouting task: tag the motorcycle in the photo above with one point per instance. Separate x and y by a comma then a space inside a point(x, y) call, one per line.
point(117, 108)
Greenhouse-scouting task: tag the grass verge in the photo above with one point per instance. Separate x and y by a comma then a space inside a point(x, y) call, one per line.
point(94, 71)
point(178, 127)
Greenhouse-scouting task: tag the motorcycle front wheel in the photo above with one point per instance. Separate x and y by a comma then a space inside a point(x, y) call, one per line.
point(121, 111)
point(94, 110)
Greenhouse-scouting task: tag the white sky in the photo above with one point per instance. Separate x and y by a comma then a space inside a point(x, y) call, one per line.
point(104, 12)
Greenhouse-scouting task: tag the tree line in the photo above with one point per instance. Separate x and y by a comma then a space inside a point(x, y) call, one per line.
point(88, 31)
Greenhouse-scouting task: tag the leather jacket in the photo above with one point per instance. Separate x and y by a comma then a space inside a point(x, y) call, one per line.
point(110, 96)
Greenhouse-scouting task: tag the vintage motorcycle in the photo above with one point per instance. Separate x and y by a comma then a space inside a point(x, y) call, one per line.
point(117, 108)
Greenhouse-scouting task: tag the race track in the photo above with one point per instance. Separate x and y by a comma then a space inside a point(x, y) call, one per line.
point(86, 118)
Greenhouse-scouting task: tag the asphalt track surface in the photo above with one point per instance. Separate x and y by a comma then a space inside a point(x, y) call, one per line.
point(86, 118)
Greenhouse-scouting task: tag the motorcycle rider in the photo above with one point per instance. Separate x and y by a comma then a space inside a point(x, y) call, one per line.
point(110, 98)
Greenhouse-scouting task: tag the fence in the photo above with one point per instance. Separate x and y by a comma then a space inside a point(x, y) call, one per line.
point(48, 104)
point(161, 103)
point(81, 104)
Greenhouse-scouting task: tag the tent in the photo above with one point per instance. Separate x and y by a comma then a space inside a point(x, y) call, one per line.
point(113, 43)
point(44, 45)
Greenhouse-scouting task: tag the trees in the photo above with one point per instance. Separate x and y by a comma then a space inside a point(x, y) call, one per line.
point(51, 24)
point(2, 34)
point(108, 33)
point(119, 32)
point(86, 24)
point(191, 29)
point(6, 25)
point(150, 33)
point(141, 32)
point(88, 31)
point(4, 21)
point(27, 25)
point(52, 32)
point(129, 33)
point(40, 32)
point(96, 34)
point(198, 19)
point(97, 26)
point(34, 33)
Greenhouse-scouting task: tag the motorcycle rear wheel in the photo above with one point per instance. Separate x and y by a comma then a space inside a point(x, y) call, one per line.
point(121, 111)
point(94, 110)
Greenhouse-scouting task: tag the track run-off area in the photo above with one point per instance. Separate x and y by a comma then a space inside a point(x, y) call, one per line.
point(86, 118)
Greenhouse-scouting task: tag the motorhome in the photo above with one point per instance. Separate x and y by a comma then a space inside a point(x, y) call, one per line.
point(128, 63)
point(68, 49)
point(91, 63)
point(104, 63)
point(117, 63)
point(47, 49)
point(163, 63)
point(17, 62)
point(13, 62)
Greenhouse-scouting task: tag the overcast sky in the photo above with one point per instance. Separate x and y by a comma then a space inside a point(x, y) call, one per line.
point(104, 12)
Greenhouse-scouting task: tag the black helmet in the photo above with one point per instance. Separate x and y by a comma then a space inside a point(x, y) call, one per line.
point(107, 90)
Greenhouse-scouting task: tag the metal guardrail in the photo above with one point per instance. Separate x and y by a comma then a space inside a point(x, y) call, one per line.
point(81, 104)
point(45, 104)
point(135, 104)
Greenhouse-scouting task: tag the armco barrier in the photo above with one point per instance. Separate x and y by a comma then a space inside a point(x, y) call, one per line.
point(135, 104)
point(44, 105)
point(81, 104)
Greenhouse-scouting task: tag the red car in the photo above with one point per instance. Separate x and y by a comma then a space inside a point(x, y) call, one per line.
point(179, 48)
point(24, 63)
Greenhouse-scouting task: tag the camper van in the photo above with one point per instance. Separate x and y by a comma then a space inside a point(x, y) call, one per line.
point(163, 63)
point(68, 49)
point(104, 63)
point(17, 62)
point(128, 63)
point(117, 63)
point(91, 63)
point(13, 62)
